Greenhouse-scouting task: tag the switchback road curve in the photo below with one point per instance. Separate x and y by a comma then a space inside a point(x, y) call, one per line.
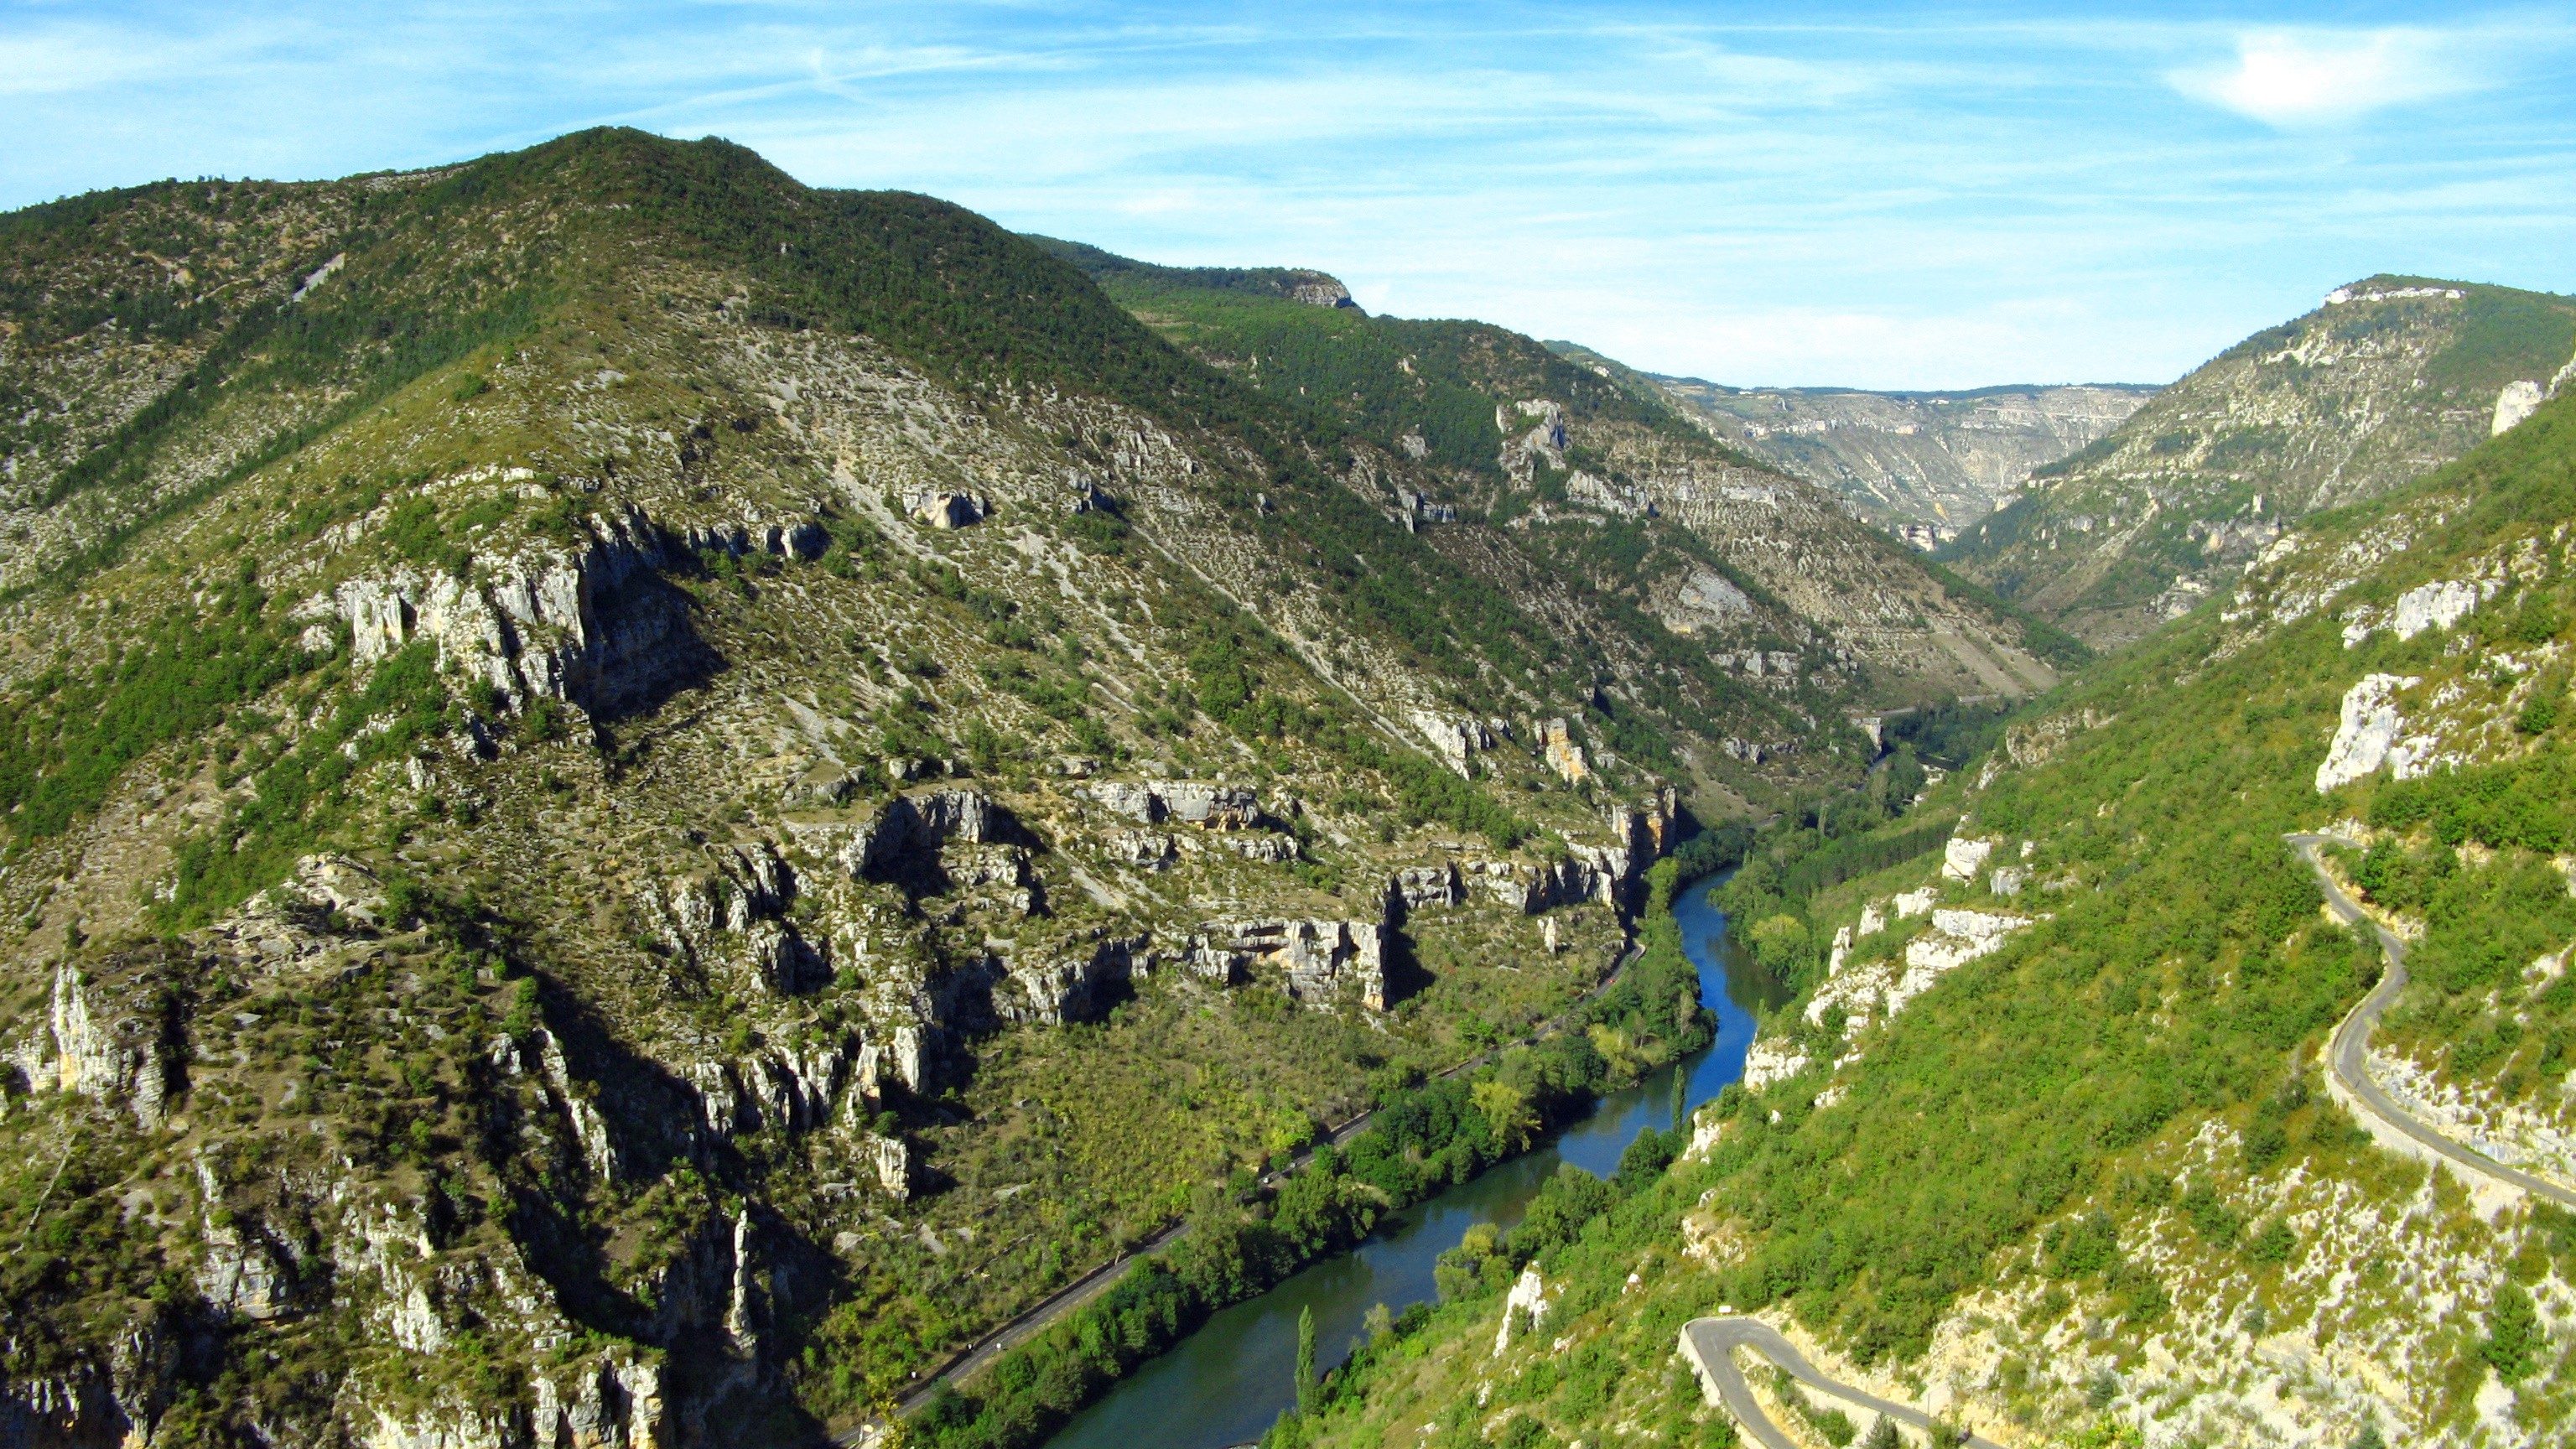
point(2348, 1053)
point(1710, 1345)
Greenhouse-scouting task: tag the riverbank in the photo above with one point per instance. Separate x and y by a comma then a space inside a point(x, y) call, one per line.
point(1444, 1132)
point(977, 1356)
point(1232, 1376)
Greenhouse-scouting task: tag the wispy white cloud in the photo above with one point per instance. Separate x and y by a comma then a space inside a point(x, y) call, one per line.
point(2292, 78)
point(1893, 199)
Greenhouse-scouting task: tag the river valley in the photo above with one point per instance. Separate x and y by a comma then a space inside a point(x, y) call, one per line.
point(1230, 1380)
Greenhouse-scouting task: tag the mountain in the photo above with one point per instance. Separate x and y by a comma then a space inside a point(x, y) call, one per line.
point(1601, 480)
point(639, 799)
point(2047, 1141)
point(2388, 379)
point(1922, 464)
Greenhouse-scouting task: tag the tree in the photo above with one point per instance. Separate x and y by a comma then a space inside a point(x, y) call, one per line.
point(1307, 1384)
point(1507, 1110)
point(2514, 1334)
point(1883, 1435)
point(2369, 1438)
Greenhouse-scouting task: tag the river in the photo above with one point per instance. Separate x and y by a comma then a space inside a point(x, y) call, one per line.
point(1226, 1383)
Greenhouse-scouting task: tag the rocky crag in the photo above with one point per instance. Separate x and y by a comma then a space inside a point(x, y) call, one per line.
point(2388, 379)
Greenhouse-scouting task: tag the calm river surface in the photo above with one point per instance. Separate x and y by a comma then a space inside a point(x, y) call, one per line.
point(1226, 1383)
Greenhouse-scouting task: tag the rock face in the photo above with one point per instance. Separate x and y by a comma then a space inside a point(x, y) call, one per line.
point(1859, 995)
point(590, 626)
point(1210, 806)
point(892, 1162)
point(1455, 739)
point(943, 509)
point(1429, 887)
point(1526, 1303)
point(902, 837)
point(2436, 605)
point(1317, 958)
point(1564, 756)
point(2368, 734)
point(2519, 400)
point(1068, 984)
point(110, 1037)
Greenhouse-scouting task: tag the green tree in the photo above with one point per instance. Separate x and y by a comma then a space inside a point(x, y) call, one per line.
point(1883, 1435)
point(1307, 1384)
point(2514, 1334)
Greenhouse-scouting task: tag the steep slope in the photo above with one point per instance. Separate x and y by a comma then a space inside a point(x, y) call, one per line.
point(2045, 1144)
point(1769, 577)
point(1921, 464)
point(2390, 378)
point(639, 798)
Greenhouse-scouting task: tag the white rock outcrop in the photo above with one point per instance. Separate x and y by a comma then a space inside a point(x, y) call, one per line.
point(1876, 990)
point(1962, 858)
point(1454, 738)
point(2519, 400)
point(2437, 605)
point(1528, 1297)
point(535, 625)
point(1772, 1059)
point(2369, 730)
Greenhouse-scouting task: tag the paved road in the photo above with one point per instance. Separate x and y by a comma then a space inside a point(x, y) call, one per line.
point(1710, 1344)
point(1099, 1280)
point(2348, 1054)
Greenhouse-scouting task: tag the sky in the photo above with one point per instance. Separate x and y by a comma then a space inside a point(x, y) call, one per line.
point(1786, 194)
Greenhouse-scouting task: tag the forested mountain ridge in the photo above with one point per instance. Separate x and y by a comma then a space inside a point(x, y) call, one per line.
point(2044, 1142)
point(1602, 481)
point(1923, 465)
point(2390, 378)
point(639, 798)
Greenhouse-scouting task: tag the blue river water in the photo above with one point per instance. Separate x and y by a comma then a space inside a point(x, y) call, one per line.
point(1226, 1383)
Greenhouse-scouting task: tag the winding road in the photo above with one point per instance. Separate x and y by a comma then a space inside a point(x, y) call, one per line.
point(1710, 1345)
point(2348, 1053)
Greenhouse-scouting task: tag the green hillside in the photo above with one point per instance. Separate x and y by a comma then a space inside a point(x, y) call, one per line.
point(1634, 500)
point(2073, 1187)
point(636, 800)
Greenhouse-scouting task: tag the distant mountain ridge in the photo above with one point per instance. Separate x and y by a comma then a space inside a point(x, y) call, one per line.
point(1925, 463)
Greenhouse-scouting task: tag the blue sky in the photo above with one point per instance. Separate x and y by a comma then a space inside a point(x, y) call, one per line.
point(1888, 197)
